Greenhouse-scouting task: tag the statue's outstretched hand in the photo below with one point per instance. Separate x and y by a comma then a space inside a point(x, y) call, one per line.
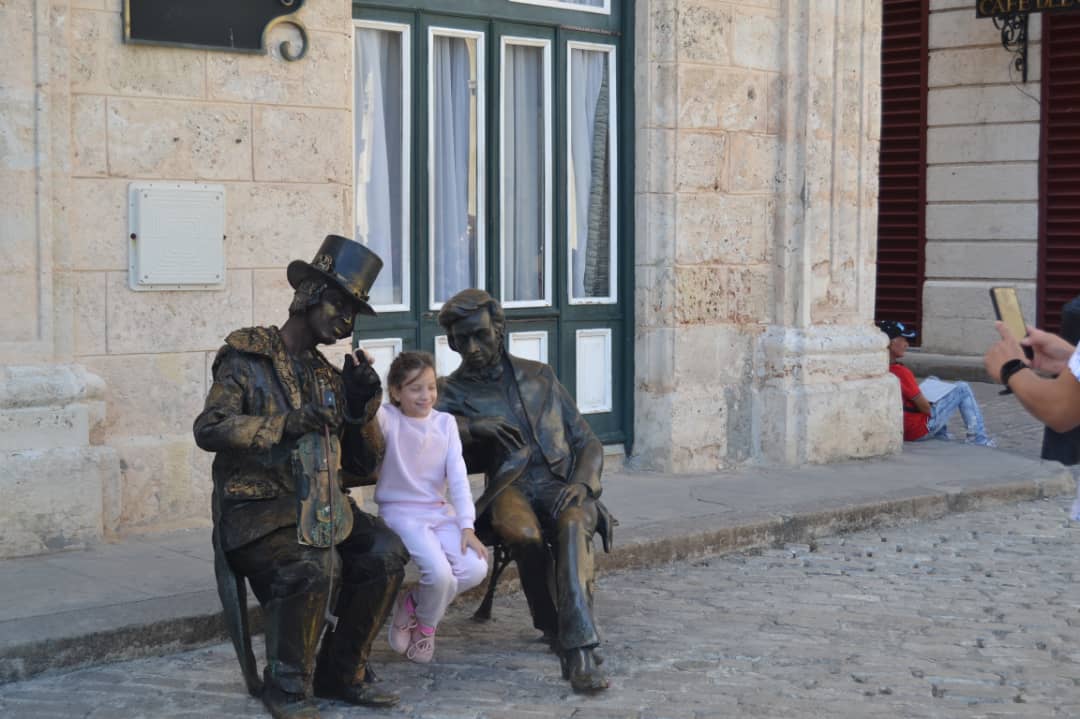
point(497, 429)
point(572, 495)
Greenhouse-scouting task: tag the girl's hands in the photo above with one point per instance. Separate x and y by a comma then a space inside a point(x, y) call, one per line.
point(469, 539)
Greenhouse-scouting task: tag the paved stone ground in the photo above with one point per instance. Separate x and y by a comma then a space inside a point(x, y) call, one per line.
point(974, 615)
point(1006, 421)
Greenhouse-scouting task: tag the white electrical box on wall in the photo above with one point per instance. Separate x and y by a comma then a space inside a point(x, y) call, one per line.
point(176, 236)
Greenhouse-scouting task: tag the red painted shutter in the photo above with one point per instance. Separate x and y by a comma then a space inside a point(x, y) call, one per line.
point(1059, 176)
point(902, 198)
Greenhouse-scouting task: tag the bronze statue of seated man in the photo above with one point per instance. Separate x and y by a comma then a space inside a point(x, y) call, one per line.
point(542, 463)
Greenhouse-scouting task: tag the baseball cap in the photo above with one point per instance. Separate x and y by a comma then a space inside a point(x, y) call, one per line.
point(896, 329)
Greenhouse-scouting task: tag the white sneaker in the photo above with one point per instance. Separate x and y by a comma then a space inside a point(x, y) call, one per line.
point(402, 624)
point(422, 648)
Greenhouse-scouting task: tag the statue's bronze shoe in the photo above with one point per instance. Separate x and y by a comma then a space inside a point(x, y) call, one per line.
point(583, 671)
point(283, 705)
point(364, 694)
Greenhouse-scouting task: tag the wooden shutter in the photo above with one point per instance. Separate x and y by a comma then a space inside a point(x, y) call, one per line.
point(1059, 172)
point(902, 197)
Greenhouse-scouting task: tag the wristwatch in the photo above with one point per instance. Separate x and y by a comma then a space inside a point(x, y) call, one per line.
point(1009, 369)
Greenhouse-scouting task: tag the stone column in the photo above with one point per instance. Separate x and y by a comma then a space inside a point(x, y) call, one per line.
point(824, 391)
point(756, 198)
point(53, 471)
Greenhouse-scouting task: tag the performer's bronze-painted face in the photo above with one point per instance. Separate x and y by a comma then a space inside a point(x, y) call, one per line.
point(476, 340)
point(332, 318)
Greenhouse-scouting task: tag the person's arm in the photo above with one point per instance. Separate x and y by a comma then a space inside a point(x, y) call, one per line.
point(457, 479)
point(921, 403)
point(909, 389)
point(362, 442)
point(1051, 353)
point(1054, 402)
point(222, 425)
point(587, 449)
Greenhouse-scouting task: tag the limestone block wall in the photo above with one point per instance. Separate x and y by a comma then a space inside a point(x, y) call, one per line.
point(982, 177)
point(276, 135)
point(756, 193)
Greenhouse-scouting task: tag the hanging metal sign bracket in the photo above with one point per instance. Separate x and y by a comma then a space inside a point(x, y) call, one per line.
point(1011, 18)
point(233, 25)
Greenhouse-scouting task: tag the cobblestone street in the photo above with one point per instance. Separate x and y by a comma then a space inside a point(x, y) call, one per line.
point(974, 615)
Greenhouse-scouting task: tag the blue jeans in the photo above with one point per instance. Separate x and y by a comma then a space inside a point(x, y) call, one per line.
point(960, 398)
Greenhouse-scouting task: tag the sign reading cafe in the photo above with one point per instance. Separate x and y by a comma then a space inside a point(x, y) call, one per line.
point(991, 8)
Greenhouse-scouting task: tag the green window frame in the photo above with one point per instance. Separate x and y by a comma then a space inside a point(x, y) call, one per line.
point(598, 324)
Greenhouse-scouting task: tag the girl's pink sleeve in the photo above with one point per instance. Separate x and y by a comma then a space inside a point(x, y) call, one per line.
point(457, 478)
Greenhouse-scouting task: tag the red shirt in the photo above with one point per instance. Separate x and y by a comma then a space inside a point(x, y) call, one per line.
point(914, 420)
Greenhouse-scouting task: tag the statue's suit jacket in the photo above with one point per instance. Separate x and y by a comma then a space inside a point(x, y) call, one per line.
point(556, 423)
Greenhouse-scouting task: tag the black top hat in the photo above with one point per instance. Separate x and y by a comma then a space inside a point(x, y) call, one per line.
point(896, 329)
point(347, 264)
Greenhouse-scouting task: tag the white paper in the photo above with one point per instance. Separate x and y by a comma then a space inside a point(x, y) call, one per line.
point(934, 389)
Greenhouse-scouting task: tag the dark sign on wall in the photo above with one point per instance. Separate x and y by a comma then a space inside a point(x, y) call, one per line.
point(990, 8)
point(237, 25)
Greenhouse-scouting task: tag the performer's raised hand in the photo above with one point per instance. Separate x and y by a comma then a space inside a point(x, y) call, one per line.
point(361, 380)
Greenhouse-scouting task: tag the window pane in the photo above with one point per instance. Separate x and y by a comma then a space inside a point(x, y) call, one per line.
point(524, 174)
point(456, 188)
point(599, 5)
point(589, 202)
point(381, 158)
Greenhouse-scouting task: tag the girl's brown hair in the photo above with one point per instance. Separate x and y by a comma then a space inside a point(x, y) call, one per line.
point(403, 367)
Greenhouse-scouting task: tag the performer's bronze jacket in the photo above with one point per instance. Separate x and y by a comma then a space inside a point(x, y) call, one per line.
point(243, 421)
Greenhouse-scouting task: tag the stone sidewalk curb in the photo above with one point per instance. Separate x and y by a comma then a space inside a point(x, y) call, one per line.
point(188, 621)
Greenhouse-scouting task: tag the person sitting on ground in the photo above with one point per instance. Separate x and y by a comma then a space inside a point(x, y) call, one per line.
point(924, 419)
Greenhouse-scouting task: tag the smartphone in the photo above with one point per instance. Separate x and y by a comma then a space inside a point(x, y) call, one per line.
point(1007, 309)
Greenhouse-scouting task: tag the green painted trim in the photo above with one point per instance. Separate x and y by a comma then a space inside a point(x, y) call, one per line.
point(418, 327)
point(511, 12)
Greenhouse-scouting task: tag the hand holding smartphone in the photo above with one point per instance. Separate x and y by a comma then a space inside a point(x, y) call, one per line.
point(1007, 309)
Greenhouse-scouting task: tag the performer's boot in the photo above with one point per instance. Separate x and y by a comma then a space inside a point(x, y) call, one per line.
point(581, 667)
point(293, 625)
point(342, 671)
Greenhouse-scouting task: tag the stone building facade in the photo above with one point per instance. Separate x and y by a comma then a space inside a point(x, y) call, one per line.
point(982, 178)
point(988, 190)
point(754, 235)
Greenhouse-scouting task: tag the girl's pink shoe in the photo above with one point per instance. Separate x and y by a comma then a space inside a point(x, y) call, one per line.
point(403, 623)
point(422, 646)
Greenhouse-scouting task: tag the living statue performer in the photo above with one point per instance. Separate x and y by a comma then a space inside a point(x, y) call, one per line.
point(291, 433)
point(542, 465)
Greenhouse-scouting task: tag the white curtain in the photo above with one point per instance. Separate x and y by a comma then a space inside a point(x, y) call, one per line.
point(524, 182)
point(589, 230)
point(378, 170)
point(454, 238)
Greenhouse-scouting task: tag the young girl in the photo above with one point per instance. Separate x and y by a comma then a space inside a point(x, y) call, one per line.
point(423, 464)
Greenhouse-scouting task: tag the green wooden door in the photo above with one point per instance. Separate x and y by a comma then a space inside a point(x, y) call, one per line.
point(492, 150)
